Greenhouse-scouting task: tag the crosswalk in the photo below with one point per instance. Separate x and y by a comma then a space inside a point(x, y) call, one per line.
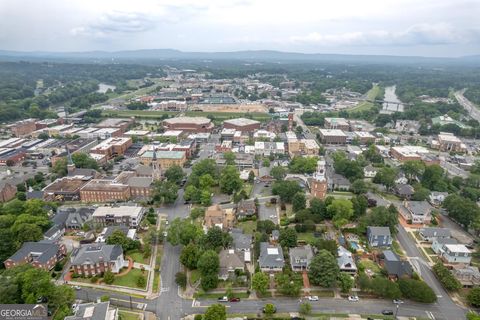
point(430, 315)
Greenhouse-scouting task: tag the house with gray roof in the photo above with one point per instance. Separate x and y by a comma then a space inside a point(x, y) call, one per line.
point(230, 262)
point(404, 191)
point(438, 243)
point(242, 243)
point(345, 261)
point(93, 259)
point(300, 257)
point(43, 254)
point(430, 234)
point(72, 218)
point(418, 212)
point(271, 257)
point(379, 236)
point(94, 311)
point(396, 267)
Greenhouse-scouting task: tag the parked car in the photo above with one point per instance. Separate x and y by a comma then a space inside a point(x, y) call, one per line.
point(77, 287)
point(223, 299)
point(312, 298)
point(234, 300)
point(387, 312)
point(353, 298)
point(397, 301)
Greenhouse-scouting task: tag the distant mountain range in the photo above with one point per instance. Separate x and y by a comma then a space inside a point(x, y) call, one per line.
point(250, 55)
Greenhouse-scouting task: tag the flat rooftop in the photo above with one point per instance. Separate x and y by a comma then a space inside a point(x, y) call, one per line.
point(241, 122)
point(332, 133)
point(124, 211)
point(189, 120)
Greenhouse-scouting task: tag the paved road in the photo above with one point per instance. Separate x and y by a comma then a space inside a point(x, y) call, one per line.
point(468, 105)
point(445, 307)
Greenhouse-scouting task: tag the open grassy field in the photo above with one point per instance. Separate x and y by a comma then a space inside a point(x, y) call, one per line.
point(247, 226)
point(365, 105)
point(149, 114)
point(130, 279)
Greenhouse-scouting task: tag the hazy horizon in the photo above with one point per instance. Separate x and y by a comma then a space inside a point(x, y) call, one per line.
point(429, 28)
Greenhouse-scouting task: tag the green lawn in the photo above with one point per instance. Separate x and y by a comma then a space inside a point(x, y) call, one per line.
point(429, 251)
point(194, 276)
point(306, 236)
point(158, 114)
point(130, 279)
point(124, 315)
point(247, 226)
point(366, 105)
point(369, 264)
point(396, 248)
point(137, 256)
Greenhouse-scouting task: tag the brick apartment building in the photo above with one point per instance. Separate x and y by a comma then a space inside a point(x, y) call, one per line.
point(121, 124)
point(42, 255)
point(94, 259)
point(333, 136)
point(112, 147)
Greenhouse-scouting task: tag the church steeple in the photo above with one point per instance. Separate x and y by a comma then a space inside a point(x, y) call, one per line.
point(70, 164)
point(156, 171)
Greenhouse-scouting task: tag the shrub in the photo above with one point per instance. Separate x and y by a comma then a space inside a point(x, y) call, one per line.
point(141, 282)
point(417, 290)
point(109, 277)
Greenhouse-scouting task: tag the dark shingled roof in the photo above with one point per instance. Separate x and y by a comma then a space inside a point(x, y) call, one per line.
point(41, 251)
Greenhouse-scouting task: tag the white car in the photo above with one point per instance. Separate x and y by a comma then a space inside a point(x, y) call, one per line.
point(397, 301)
point(353, 298)
point(312, 298)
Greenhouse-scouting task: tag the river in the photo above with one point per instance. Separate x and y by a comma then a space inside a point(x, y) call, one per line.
point(103, 87)
point(394, 104)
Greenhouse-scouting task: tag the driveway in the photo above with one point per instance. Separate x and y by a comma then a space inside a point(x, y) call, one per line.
point(267, 211)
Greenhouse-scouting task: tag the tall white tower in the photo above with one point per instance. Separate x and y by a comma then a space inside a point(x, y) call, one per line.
point(319, 182)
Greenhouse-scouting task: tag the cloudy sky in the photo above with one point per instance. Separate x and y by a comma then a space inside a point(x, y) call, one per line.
point(395, 27)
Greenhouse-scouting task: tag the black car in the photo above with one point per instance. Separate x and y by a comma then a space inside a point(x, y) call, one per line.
point(387, 312)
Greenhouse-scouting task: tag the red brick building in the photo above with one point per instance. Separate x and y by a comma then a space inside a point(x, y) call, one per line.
point(189, 124)
point(94, 259)
point(42, 255)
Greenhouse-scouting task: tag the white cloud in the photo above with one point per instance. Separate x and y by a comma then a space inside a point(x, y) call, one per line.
point(420, 34)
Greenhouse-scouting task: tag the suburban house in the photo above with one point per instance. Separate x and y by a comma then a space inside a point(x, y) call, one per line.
point(401, 178)
point(456, 253)
point(345, 261)
point(72, 218)
point(264, 175)
point(230, 261)
point(216, 216)
point(94, 311)
point(468, 276)
point(436, 198)
point(242, 243)
point(42, 255)
point(54, 233)
point(274, 236)
point(246, 208)
point(418, 212)
point(430, 234)
point(369, 171)
point(93, 259)
point(396, 267)
point(300, 257)
point(379, 236)
point(271, 257)
point(404, 191)
point(437, 243)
